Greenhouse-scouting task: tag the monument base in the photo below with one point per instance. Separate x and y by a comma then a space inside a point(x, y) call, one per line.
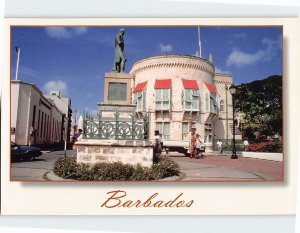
point(117, 88)
point(209, 147)
point(125, 151)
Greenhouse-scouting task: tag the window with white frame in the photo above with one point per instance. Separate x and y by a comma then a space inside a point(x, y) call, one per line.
point(190, 99)
point(211, 103)
point(222, 106)
point(208, 134)
point(185, 130)
point(206, 98)
point(140, 100)
point(162, 99)
point(164, 129)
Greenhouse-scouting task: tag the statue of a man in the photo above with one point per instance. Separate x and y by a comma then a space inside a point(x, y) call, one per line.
point(119, 60)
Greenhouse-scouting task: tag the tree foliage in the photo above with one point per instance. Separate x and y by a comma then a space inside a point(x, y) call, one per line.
point(261, 101)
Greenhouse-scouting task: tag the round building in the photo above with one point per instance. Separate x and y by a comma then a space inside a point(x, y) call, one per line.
point(181, 92)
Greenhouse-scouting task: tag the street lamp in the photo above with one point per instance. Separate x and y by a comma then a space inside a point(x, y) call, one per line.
point(233, 90)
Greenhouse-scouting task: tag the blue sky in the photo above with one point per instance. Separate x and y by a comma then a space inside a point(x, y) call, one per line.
point(74, 59)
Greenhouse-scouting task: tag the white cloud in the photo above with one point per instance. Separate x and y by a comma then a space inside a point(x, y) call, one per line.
point(271, 48)
point(65, 33)
point(239, 58)
point(220, 71)
point(56, 85)
point(165, 48)
point(58, 32)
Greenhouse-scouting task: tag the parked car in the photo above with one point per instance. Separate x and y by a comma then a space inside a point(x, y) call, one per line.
point(24, 152)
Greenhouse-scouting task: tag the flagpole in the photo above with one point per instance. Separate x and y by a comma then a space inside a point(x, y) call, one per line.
point(200, 52)
point(18, 60)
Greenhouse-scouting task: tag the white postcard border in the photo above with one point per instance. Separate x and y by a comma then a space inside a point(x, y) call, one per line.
point(209, 198)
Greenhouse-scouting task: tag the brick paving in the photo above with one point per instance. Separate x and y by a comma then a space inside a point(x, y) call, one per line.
point(218, 167)
point(212, 168)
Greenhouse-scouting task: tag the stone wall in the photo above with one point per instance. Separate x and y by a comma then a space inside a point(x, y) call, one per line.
point(125, 151)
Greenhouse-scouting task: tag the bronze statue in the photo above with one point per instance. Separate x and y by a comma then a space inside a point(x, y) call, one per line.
point(119, 60)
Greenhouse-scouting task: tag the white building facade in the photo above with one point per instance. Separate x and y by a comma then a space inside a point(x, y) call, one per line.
point(180, 92)
point(64, 105)
point(34, 118)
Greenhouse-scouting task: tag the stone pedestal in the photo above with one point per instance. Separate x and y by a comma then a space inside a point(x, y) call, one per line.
point(115, 107)
point(117, 88)
point(209, 147)
point(125, 151)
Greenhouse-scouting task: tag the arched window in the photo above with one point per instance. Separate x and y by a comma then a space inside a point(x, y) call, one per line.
point(221, 106)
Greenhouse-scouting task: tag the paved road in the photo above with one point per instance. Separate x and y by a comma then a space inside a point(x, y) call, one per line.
point(211, 168)
point(223, 168)
point(35, 170)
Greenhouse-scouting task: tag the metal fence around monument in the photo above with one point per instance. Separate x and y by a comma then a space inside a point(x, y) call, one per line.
point(116, 125)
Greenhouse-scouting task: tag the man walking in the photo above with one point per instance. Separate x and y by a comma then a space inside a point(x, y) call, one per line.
point(220, 146)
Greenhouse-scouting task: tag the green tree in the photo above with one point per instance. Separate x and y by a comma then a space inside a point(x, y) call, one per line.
point(261, 101)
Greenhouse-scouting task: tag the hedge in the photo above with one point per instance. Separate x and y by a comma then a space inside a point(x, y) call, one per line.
point(68, 168)
point(271, 147)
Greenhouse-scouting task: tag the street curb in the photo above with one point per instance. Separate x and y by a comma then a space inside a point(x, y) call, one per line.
point(50, 176)
point(170, 178)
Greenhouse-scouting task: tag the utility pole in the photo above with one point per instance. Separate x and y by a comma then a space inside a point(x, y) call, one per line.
point(18, 60)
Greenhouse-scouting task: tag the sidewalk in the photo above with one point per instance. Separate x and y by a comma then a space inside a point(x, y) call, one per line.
point(223, 168)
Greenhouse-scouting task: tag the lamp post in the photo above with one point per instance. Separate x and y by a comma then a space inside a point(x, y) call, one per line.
point(64, 134)
point(232, 90)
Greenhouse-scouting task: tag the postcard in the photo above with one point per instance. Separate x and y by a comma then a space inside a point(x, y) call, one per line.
point(149, 116)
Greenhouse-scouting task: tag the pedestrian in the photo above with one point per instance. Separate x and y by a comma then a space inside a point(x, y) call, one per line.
point(220, 146)
point(199, 146)
point(246, 144)
point(78, 136)
point(193, 144)
point(157, 146)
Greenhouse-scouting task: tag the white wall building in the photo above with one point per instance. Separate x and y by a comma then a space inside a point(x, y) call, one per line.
point(181, 91)
point(64, 105)
point(34, 118)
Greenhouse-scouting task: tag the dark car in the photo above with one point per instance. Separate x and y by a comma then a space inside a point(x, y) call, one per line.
point(24, 152)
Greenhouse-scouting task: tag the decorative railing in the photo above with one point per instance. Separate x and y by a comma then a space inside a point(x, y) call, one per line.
point(116, 125)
